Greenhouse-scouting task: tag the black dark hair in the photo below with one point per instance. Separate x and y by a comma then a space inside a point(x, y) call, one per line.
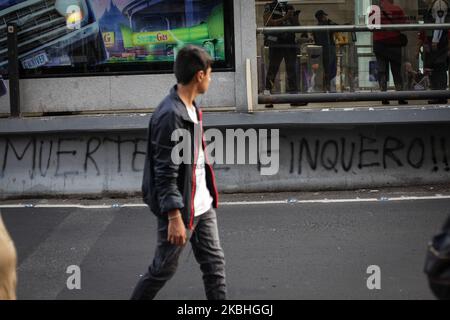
point(190, 60)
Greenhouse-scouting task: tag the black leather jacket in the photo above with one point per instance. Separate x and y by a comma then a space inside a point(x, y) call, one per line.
point(167, 185)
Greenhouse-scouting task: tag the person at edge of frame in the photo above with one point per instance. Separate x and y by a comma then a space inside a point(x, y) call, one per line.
point(8, 263)
point(435, 46)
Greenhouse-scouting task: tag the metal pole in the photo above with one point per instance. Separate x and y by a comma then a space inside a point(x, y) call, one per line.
point(13, 70)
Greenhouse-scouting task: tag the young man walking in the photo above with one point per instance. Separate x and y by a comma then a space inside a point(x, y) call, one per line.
point(183, 195)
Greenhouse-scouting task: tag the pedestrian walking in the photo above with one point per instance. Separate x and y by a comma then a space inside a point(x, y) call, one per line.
point(182, 196)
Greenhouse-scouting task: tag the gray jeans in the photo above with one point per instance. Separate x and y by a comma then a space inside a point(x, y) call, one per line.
point(208, 253)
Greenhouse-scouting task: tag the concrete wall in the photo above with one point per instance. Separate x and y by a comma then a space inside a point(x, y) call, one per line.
point(315, 158)
point(112, 93)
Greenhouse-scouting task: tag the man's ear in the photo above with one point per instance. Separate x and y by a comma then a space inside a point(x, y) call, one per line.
point(200, 75)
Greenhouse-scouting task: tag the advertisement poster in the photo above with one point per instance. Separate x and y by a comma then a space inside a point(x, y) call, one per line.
point(155, 30)
point(99, 32)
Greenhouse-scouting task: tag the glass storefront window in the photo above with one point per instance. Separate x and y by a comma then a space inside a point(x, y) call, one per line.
point(70, 37)
point(340, 62)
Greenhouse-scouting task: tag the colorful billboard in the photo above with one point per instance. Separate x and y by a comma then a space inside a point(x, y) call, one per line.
point(108, 33)
point(155, 30)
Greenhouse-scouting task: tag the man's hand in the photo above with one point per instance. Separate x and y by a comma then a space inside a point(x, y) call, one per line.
point(177, 231)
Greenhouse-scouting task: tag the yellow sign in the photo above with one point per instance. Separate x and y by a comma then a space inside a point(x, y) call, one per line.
point(108, 39)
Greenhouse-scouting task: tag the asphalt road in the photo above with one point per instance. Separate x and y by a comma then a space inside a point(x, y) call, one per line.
point(273, 250)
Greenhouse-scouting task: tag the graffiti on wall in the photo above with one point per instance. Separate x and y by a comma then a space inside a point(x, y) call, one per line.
point(345, 154)
point(97, 155)
point(45, 157)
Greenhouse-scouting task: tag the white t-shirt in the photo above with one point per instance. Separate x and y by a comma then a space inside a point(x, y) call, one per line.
point(202, 198)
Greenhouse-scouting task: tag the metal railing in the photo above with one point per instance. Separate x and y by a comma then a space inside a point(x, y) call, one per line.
point(356, 28)
point(353, 96)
